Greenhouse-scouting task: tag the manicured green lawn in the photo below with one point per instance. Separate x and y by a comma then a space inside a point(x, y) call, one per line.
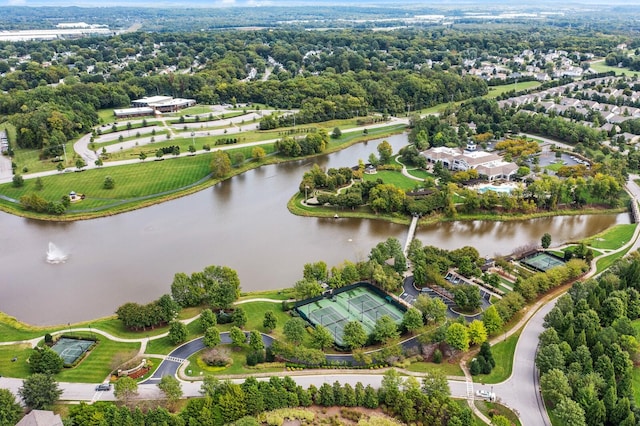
point(131, 181)
point(282, 294)
point(393, 178)
point(495, 91)
point(163, 346)
point(554, 167)
point(605, 262)
point(100, 361)
point(239, 356)
point(445, 367)
point(18, 368)
point(603, 67)
point(485, 407)
point(503, 355)
point(612, 238)
point(30, 159)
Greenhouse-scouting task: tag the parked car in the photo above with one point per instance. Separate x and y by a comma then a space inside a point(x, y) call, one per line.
point(486, 394)
point(103, 387)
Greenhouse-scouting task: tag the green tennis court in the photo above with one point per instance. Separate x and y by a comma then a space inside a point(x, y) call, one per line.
point(542, 261)
point(357, 303)
point(71, 349)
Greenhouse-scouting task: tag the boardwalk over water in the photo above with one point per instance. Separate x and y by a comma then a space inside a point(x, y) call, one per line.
point(410, 234)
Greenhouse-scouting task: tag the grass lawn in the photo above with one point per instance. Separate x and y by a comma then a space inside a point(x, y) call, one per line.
point(131, 181)
point(163, 346)
point(394, 178)
point(503, 355)
point(282, 294)
point(419, 173)
point(445, 367)
point(101, 361)
point(30, 159)
point(18, 368)
point(612, 238)
point(601, 66)
point(195, 366)
point(554, 167)
point(605, 262)
point(485, 407)
point(495, 91)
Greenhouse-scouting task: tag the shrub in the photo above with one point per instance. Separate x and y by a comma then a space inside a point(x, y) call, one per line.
point(48, 338)
point(437, 356)
point(217, 357)
point(109, 183)
point(18, 180)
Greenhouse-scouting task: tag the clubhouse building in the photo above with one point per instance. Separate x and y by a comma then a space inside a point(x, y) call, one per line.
point(488, 165)
point(153, 105)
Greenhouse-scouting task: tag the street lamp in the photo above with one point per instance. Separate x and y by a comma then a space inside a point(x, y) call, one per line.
point(306, 188)
point(193, 142)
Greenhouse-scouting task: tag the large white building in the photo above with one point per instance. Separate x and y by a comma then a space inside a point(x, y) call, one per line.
point(153, 105)
point(487, 164)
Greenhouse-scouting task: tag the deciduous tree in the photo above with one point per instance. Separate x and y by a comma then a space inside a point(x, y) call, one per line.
point(270, 321)
point(125, 389)
point(354, 335)
point(39, 391)
point(294, 330)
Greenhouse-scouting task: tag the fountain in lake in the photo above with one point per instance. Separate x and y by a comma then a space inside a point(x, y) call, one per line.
point(55, 254)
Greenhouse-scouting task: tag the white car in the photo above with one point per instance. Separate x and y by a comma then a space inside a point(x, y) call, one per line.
point(486, 394)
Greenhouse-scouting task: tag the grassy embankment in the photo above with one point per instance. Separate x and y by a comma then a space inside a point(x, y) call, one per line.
point(148, 182)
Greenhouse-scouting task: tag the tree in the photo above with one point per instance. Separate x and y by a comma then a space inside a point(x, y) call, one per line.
point(307, 288)
point(211, 337)
point(220, 164)
point(554, 386)
point(433, 309)
point(10, 409)
point(477, 332)
point(435, 385)
point(222, 286)
point(80, 163)
point(354, 335)
point(321, 337)
point(125, 389)
point(258, 153)
point(171, 388)
point(239, 317)
point(385, 151)
point(17, 180)
point(385, 329)
point(457, 337)
point(336, 133)
point(569, 413)
point(499, 420)
point(39, 391)
point(550, 357)
point(492, 320)
point(142, 156)
point(270, 321)
point(59, 167)
point(294, 330)
point(177, 332)
point(108, 183)
point(237, 336)
point(45, 360)
point(207, 319)
point(545, 241)
point(255, 341)
point(412, 320)
point(39, 185)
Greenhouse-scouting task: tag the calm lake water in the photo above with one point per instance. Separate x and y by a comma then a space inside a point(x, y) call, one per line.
point(242, 223)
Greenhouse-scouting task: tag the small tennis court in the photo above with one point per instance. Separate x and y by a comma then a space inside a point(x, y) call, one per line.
point(352, 304)
point(542, 261)
point(70, 350)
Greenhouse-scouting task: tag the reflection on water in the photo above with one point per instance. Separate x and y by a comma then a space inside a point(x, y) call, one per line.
point(242, 223)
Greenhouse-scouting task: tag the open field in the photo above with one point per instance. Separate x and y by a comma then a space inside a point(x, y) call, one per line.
point(612, 238)
point(495, 91)
point(394, 178)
